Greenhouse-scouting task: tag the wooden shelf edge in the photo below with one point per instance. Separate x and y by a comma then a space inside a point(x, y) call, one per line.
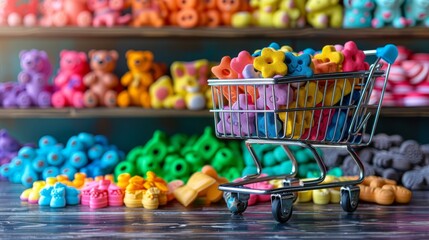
point(131, 112)
point(136, 112)
point(204, 32)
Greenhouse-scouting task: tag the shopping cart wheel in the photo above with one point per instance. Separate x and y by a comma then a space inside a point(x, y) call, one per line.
point(349, 198)
point(236, 202)
point(292, 182)
point(281, 206)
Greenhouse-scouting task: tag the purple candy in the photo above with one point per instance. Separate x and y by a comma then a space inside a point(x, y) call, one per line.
point(241, 123)
point(283, 96)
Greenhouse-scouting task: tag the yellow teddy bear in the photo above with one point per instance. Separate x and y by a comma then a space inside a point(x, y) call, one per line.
point(291, 14)
point(137, 80)
point(323, 14)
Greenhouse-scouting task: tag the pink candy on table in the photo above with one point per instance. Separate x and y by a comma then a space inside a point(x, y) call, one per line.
point(258, 198)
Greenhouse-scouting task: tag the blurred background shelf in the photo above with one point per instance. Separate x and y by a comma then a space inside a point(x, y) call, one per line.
point(133, 112)
point(219, 32)
point(136, 112)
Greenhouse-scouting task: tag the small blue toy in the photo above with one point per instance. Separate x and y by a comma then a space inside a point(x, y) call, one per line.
point(417, 12)
point(78, 160)
point(72, 196)
point(45, 196)
point(388, 13)
point(50, 171)
point(358, 13)
point(272, 124)
point(58, 196)
point(299, 65)
point(336, 129)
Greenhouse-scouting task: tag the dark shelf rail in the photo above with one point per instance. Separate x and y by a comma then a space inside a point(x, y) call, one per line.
point(220, 32)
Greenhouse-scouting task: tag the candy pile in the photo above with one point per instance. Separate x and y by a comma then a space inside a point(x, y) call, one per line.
point(275, 161)
point(275, 61)
point(408, 82)
point(180, 156)
point(86, 153)
point(9, 147)
point(389, 156)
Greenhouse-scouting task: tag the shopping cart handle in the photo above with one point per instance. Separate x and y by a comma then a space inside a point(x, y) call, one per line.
point(388, 53)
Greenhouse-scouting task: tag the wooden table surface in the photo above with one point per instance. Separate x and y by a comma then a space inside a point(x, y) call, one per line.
point(20, 220)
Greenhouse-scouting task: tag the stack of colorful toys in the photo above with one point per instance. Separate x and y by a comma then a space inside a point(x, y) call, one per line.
point(86, 153)
point(179, 156)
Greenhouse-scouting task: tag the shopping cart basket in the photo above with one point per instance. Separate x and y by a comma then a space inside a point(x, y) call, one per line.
point(326, 110)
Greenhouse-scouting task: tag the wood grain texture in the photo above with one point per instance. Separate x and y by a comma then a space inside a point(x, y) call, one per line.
point(24, 221)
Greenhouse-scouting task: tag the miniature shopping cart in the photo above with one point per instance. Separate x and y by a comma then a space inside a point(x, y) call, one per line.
point(333, 110)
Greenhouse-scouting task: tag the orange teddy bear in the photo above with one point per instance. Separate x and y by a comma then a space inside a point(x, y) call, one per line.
point(137, 80)
point(147, 13)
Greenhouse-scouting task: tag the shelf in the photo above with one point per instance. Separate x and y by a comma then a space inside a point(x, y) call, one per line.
point(220, 32)
point(136, 112)
point(405, 111)
point(131, 112)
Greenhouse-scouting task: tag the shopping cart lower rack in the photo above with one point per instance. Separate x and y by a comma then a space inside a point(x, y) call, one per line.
point(327, 110)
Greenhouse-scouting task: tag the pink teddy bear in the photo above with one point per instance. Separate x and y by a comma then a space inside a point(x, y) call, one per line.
point(101, 81)
point(69, 80)
point(60, 13)
point(108, 12)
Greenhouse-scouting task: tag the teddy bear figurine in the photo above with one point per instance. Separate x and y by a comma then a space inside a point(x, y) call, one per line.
point(388, 12)
point(323, 14)
point(417, 12)
point(147, 13)
point(32, 88)
point(108, 12)
point(291, 14)
point(69, 80)
point(13, 14)
point(60, 13)
point(101, 81)
point(190, 81)
point(137, 80)
point(358, 13)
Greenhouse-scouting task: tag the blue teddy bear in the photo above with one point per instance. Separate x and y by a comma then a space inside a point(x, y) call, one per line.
point(388, 12)
point(358, 13)
point(417, 12)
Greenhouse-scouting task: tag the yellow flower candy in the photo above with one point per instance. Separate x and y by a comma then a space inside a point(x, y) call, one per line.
point(330, 54)
point(270, 63)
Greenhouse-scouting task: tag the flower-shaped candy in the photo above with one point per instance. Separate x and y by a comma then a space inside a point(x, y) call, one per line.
point(249, 72)
point(309, 95)
point(295, 122)
point(239, 63)
point(242, 123)
point(224, 71)
point(321, 119)
point(270, 63)
point(273, 96)
point(354, 59)
point(330, 54)
point(274, 46)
